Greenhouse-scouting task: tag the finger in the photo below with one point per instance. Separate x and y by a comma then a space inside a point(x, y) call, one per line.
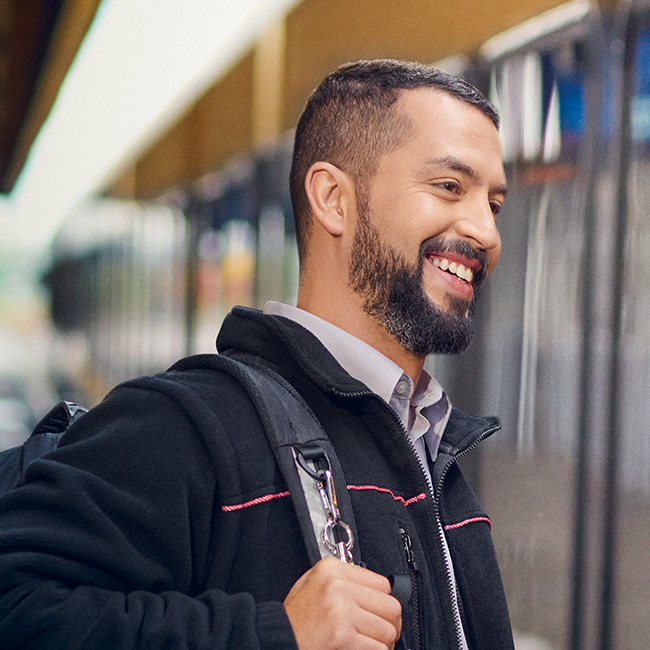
point(383, 606)
point(360, 575)
point(371, 613)
point(377, 628)
point(355, 585)
point(330, 602)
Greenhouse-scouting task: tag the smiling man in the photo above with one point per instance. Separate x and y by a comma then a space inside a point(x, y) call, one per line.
point(396, 183)
point(163, 520)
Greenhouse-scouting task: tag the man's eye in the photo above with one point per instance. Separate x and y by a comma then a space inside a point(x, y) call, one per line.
point(495, 207)
point(450, 186)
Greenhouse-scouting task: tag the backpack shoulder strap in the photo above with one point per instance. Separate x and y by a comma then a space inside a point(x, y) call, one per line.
point(304, 453)
point(44, 438)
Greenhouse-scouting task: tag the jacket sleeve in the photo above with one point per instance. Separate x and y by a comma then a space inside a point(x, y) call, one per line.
point(108, 543)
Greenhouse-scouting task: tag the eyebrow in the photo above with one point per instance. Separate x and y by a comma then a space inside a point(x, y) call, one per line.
point(454, 164)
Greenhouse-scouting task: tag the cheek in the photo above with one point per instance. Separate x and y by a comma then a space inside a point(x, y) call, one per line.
point(406, 220)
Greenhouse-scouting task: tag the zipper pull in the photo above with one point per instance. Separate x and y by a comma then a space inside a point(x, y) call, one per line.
point(408, 548)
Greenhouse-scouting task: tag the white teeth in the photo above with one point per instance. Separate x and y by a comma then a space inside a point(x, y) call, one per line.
point(459, 270)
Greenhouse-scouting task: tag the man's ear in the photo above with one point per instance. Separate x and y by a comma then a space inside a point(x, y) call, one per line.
point(331, 193)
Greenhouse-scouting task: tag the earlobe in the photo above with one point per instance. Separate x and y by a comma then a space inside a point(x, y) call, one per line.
point(326, 188)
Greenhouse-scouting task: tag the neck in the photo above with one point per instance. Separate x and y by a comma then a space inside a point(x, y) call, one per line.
point(345, 311)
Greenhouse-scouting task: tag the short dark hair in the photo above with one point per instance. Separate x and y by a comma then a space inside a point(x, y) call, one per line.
point(350, 121)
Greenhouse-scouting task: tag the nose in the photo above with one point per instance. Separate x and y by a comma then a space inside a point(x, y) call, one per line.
point(478, 224)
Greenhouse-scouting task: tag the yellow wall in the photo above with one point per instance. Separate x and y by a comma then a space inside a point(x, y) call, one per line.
point(217, 127)
point(239, 113)
point(324, 33)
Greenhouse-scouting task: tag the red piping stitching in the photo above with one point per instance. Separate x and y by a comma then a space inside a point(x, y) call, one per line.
point(359, 488)
point(255, 502)
point(468, 521)
point(375, 488)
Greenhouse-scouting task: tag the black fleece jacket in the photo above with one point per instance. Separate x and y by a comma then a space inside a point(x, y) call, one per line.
point(162, 520)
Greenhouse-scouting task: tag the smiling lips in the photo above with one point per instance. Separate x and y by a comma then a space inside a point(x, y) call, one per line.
point(459, 270)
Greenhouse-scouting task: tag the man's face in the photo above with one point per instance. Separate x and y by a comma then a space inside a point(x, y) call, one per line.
point(426, 233)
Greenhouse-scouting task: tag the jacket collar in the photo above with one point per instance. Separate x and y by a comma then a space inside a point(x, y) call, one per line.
point(249, 330)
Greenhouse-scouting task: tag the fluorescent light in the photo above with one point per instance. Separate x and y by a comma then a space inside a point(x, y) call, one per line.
point(140, 67)
point(535, 28)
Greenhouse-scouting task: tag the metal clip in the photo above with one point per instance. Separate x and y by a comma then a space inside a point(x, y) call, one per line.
point(337, 545)
point(337, 536)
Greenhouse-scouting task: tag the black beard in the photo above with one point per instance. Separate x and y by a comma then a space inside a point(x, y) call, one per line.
point(394, 294)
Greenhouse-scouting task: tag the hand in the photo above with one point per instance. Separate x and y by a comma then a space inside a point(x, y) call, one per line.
point(336, 606)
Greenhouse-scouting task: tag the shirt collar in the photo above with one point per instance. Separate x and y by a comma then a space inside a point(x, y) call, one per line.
point(360, 360)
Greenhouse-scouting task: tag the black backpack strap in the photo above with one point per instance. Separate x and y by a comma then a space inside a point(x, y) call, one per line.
point(304, 453)
point(44, 438)
point(309, 464)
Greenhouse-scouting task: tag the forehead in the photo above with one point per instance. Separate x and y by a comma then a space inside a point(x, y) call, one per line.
point(442, 125)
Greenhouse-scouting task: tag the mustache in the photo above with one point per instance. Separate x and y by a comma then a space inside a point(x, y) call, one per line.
point(458, 246)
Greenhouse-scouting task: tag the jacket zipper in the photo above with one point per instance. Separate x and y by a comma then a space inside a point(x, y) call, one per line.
point(415, 587)
point(441, 533)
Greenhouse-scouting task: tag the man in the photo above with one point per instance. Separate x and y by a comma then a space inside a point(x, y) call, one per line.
point(161, 521)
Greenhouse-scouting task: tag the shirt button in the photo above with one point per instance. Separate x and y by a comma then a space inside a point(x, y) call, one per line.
point(402, 387)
